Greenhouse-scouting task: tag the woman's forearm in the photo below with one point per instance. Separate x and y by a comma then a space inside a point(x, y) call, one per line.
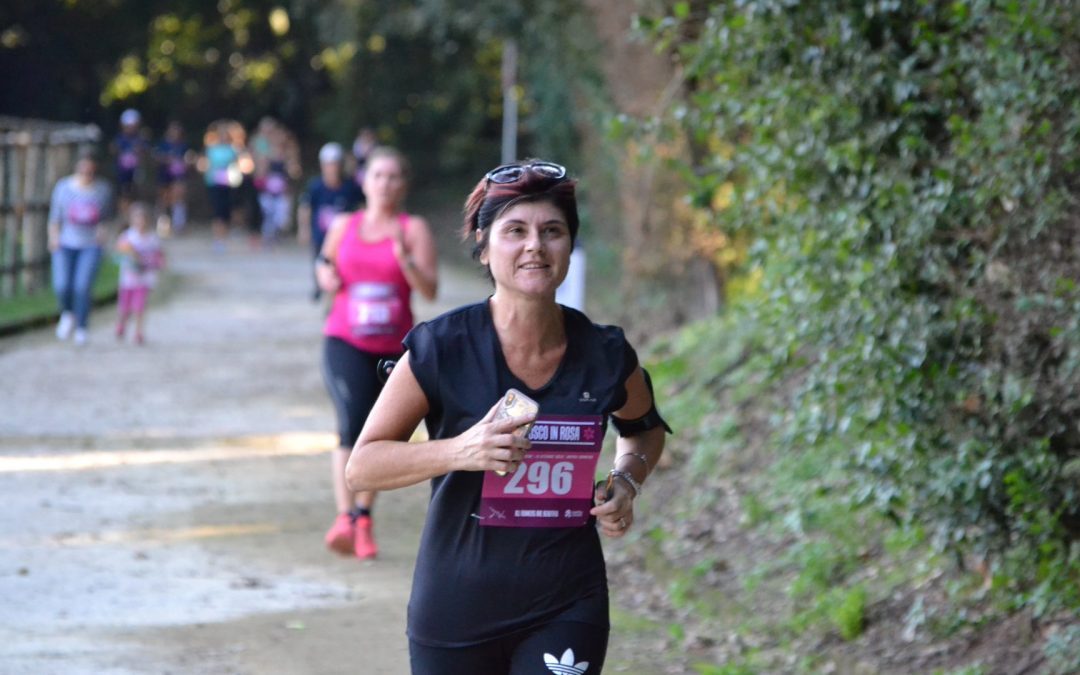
point(424, 282)
point(387, 465)
point(639, 454)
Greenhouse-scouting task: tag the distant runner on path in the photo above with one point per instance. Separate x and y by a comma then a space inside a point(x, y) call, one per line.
point(78, 209)
point(371, 261)
point(327, 196)
point(510, 575)
point(130, 151)
point(141, 257)
point(171, 156)
point(220, 165)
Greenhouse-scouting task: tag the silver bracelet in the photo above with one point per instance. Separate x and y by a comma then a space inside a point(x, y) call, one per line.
point(628, 479)
point(640, 456)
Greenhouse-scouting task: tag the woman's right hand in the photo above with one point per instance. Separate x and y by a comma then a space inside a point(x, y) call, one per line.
point(491, 445)
point(327, 276)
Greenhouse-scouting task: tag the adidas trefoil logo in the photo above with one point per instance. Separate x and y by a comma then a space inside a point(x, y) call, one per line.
point(565, 665)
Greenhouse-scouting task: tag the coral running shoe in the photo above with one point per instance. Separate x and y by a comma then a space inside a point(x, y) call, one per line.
point(364, 544)
point(339, 538)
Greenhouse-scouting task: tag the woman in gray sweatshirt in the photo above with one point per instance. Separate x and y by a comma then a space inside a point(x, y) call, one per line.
point(78, 210)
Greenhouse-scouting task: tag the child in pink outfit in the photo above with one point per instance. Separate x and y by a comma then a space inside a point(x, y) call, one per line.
point(141, 257)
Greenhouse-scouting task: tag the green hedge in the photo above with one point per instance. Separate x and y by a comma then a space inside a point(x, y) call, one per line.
point(39, 308)
point(906, 172)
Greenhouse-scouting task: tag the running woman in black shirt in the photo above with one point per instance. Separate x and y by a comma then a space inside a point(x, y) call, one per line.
point(510, 575)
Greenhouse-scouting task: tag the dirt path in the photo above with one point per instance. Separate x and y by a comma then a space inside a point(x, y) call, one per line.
point(165, 504)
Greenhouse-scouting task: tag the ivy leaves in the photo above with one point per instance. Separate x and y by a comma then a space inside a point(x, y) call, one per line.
point(901, 173)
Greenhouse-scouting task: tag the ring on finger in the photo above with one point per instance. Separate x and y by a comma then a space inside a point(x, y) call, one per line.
point(622, 523)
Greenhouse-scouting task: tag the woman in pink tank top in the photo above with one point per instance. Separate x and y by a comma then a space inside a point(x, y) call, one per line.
point(370, 263)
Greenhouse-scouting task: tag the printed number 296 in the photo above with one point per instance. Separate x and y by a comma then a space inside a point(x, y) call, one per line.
point(541, 478)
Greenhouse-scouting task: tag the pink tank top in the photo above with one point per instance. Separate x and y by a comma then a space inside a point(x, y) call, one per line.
point(371, 310)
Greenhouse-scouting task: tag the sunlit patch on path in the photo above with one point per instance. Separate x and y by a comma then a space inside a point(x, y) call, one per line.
point(281, 445)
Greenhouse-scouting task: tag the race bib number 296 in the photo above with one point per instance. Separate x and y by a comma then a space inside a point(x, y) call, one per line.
point(553, 487)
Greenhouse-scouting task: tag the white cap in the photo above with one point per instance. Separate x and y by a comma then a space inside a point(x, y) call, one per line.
point(129, 117)
point(331, 153)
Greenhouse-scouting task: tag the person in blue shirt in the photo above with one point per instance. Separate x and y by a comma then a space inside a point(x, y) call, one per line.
point(221, 172)
point(130, 149)
point(326, 196)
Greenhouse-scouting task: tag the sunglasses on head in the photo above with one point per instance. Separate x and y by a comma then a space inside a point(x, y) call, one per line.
point(511, 173)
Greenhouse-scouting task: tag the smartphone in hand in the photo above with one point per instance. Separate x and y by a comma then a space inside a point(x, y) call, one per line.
point(516, 404)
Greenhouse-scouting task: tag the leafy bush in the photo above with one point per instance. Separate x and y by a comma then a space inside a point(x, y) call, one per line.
point(848, 613)
point(904, 172)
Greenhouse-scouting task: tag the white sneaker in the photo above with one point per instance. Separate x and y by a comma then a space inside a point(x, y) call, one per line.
point(64, 326)
point(80, 337)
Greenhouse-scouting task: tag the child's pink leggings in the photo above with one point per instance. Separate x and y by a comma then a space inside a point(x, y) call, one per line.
point(133, 300)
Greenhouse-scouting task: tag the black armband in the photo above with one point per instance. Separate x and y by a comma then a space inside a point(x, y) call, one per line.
point(649, 420)
point(384, 368)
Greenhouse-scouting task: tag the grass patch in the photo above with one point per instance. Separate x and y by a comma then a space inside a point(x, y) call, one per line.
point(756, 539)
point(39, 308)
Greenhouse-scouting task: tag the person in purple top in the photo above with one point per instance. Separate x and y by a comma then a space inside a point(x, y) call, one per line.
point(78, 210)
point(171, 156)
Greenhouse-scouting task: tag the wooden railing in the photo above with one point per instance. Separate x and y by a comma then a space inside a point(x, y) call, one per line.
point(34, 154)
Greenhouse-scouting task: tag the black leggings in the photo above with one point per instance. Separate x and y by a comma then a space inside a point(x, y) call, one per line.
point(351, 379)
point(220, 197)
point(560, 647)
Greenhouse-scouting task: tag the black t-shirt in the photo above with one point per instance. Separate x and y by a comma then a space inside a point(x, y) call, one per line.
point(475, 583)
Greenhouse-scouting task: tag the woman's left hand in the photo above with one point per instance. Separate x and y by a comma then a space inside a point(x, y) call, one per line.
point(615, 515)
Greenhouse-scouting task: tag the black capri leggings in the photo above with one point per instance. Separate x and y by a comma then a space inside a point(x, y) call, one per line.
point(220, 201)
point(561, 647)
point(351, 379)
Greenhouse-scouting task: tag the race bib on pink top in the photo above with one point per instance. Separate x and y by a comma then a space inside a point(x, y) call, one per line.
point(553, 487)
point(83, 212)
point(374, 309)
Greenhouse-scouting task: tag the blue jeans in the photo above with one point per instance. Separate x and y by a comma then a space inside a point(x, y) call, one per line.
point(73, 274)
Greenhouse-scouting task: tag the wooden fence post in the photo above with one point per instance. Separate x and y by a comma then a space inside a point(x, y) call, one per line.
point(34, 155)
point(37, 212)
point(10, 245)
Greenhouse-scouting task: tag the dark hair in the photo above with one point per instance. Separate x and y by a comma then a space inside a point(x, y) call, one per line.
point(489, 200)
point(87, 153)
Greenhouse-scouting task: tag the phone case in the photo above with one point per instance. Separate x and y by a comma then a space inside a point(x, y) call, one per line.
point(516, 404)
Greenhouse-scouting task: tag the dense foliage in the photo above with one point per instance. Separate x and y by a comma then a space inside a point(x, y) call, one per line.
point(905, 175)
point(425, 75)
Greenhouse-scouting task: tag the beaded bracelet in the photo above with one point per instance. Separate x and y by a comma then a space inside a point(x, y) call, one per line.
point(628, 479)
